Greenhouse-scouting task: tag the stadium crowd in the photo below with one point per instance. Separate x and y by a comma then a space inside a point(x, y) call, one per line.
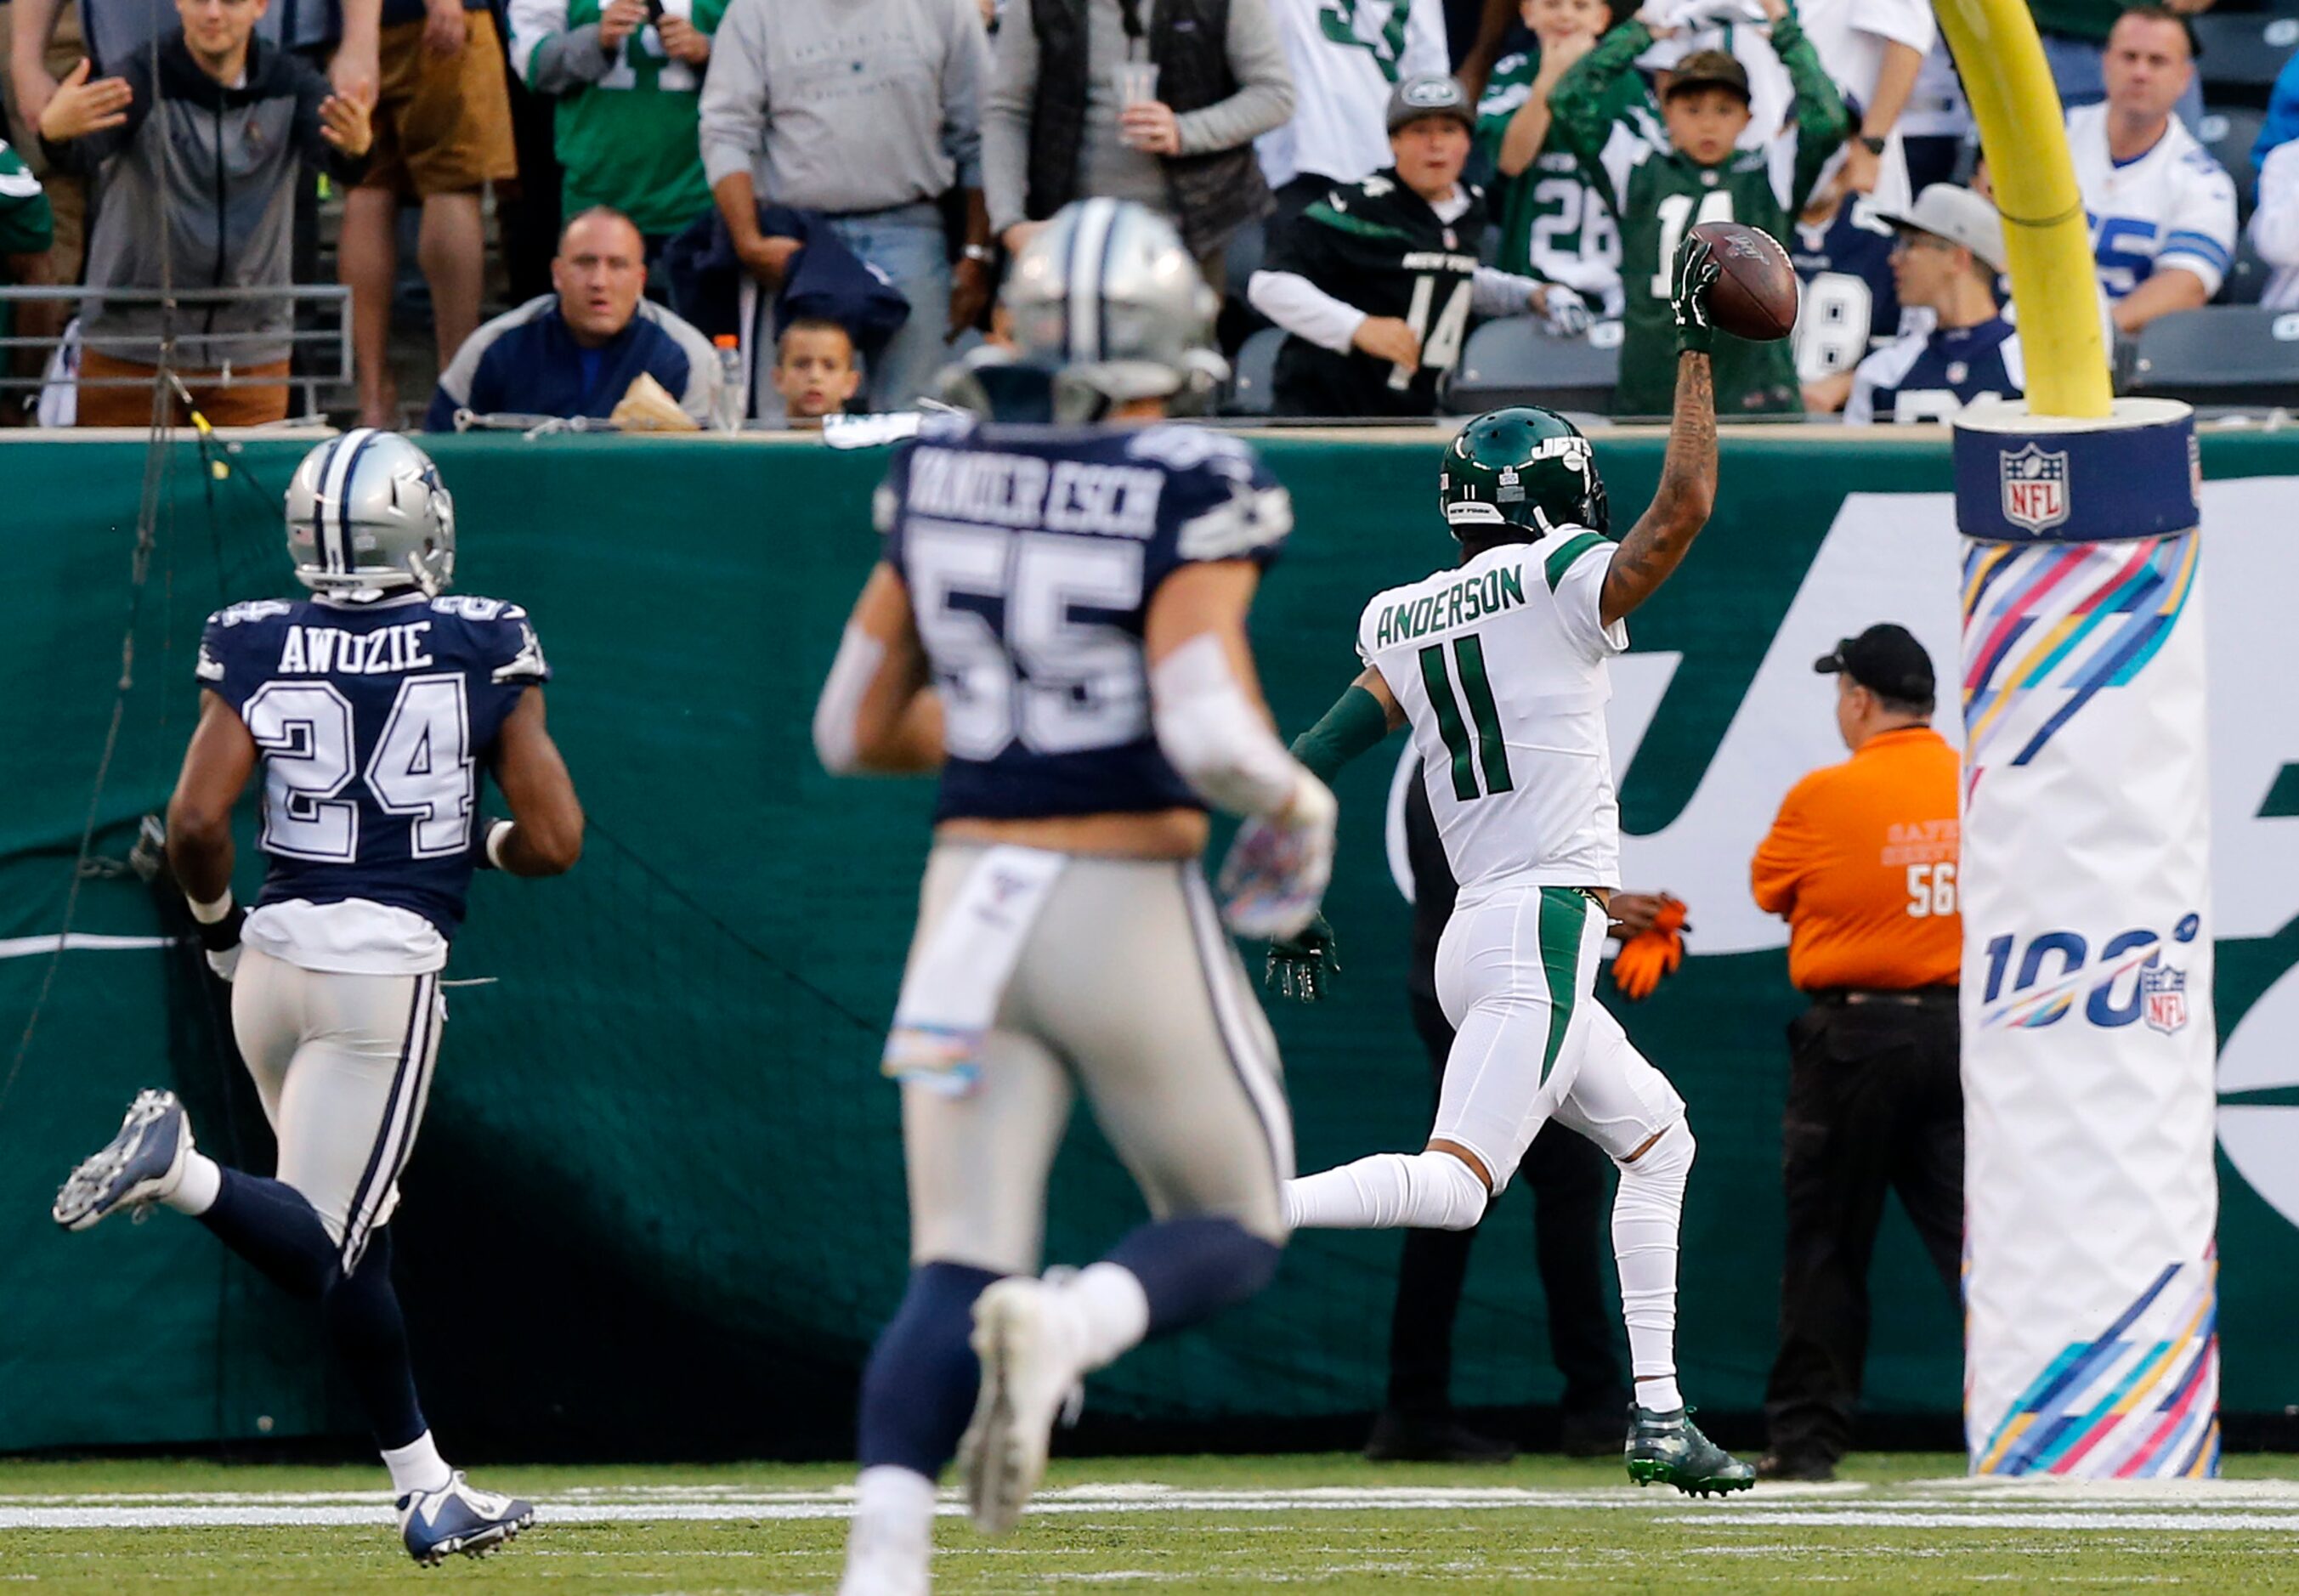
point(774, 211)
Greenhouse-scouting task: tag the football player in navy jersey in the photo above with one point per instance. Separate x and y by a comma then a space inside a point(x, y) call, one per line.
point(1843, 254)
point(1057, 625)
point(371, 708)
point(1950, 250)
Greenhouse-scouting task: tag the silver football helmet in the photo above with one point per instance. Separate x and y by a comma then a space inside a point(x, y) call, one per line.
point(1109, 300)
point(367, 512)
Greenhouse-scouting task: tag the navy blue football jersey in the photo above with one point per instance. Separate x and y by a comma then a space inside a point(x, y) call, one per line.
point(374, 721)
point(1851, 304)
point(1929, 377)
point(1032, 554)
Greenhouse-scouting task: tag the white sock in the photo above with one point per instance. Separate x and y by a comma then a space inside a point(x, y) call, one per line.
point(1647, 1215)
point(1113, 1313)
point(417, 1466)
point(1426, 1191)
point(893, 1522)
point(198, 1186)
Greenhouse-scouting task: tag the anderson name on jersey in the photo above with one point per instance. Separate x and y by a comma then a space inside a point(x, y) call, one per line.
point(2173, 206)
point(1032, 555)
point(374, 722)
point(1499, 666)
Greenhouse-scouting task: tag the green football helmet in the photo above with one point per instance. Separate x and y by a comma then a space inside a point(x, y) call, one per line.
point(1522, 466)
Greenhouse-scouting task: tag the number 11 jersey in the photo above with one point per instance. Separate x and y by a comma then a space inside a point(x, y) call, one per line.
point(373, 722)
point(1499, 666)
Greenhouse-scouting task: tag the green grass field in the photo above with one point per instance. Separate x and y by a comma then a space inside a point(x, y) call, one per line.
point(1902, 1523)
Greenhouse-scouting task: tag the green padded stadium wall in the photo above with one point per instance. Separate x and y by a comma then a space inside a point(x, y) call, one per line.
point(657, 1207)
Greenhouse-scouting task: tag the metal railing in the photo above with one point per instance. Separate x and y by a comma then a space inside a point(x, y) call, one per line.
point(321, 322)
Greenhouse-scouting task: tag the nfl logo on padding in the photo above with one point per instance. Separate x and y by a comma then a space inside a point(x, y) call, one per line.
point(2165, 990)
point(2035, 487)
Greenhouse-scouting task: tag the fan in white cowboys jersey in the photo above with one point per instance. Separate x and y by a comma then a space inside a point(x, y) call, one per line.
point(1057, 625)
point(371, 708)
point(1499, 667)
point(2162, 210)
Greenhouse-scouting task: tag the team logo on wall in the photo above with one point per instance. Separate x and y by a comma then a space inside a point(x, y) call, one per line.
point(2165, 991)
point(2035, 487)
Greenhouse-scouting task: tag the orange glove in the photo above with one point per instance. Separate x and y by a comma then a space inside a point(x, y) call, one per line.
point(1648, 956)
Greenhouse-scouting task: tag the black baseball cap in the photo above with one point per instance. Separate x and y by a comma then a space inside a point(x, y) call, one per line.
point(1886, 659)
point(1709, 68)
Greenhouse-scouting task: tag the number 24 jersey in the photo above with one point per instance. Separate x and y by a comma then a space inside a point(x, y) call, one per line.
point(1499, 666)
point(373, 722)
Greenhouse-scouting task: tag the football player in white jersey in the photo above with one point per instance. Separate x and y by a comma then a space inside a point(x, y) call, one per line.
point(1499, 666)
point(2162, 210)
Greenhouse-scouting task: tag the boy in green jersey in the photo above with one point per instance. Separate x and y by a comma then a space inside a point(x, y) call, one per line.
point(1554, 223)
point(1663, 181)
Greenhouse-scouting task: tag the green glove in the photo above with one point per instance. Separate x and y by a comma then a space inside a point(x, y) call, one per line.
point(1696, 273)
point(1298, 968)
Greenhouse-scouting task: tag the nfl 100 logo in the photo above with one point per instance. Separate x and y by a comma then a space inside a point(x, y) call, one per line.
point(2035, 487)
point(2165, 991)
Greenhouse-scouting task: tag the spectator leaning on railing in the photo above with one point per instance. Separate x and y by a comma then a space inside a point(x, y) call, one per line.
point(629, 85)
point(443, 134)
point(1376, 282)
point(197, 170)
point(1121, 99)
point(27, 230)
point(1949, 253)
point(577, 351)
point(868, 111)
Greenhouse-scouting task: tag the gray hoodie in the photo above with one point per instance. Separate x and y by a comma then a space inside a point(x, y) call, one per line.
point(216, 165)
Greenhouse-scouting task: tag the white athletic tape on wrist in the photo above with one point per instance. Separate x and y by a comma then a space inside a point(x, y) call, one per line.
point(841, 705)
point(498, 835)
point(208, 914)
point(1214, 735)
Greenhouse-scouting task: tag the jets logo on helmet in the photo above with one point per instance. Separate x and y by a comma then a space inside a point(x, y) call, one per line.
point(367, 512)
point(1522, 466)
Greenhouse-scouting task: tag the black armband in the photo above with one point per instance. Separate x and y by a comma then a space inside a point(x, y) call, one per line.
point(1355, 723)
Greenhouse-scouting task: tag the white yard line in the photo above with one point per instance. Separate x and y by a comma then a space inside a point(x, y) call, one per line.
point(2065, 1506)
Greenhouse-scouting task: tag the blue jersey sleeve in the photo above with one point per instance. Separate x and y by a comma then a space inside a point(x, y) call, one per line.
point(1220, 501)
point(239, 648)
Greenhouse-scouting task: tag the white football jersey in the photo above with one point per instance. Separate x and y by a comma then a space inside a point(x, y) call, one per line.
point(1346, 56)
point(2173, 206)
point(1500, 665)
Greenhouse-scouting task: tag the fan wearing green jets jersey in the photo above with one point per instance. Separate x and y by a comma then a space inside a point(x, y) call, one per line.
point(1498, 665)
point(628, 77)
point(1554, 224)
point(1664, 181)
point(27, 229)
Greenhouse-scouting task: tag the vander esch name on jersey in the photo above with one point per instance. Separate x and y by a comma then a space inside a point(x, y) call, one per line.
point(1461, 603)
point(1025, 491)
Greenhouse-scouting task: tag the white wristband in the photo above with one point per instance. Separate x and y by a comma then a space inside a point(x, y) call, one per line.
point(497, 834)
point(208, 914)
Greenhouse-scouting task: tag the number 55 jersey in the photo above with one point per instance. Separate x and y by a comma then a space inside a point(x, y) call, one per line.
point(1032, 556)
point(373, 722)
point(1499, 666)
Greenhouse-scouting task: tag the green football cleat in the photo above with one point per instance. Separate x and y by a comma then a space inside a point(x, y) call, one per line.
point(1668, 1449)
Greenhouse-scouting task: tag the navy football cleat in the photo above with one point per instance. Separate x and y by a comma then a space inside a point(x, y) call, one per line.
point(456, 1517)
point(135, 1169)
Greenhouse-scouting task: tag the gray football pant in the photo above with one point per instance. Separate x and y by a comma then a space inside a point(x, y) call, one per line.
point(1128, 989)
point(343, 1066)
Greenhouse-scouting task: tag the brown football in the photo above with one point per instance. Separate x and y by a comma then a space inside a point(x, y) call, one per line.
point(1756, 292)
